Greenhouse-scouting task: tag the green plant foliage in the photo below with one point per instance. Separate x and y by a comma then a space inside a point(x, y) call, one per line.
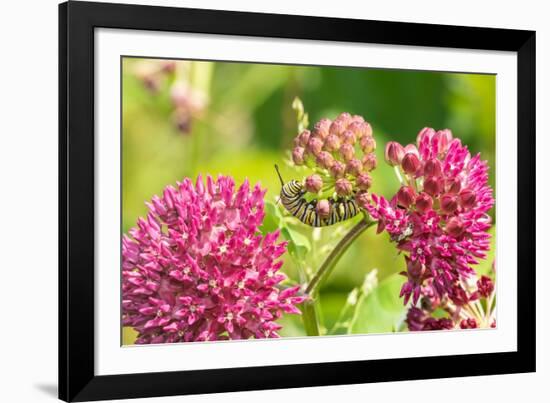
point(353, 300)
point(273, 219)
point(380, 310)
point(298, 244)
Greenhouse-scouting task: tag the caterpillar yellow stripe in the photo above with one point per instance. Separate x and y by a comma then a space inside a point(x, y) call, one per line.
point(292, 199)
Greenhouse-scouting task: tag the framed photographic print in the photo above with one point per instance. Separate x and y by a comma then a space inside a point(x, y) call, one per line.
point(258, 201)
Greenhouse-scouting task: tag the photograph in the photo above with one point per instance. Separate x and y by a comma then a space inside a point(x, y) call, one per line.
point(260, 200)
point(264, 201)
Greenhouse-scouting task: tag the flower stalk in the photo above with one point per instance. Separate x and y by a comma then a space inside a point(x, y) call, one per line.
point(309, 317)
point(334, 256)
point(309, 314)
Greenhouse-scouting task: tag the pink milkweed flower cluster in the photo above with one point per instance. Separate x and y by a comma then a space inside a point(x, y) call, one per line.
point(438, 218)
point(470, 307)
point(197, 268)
point(341, 154)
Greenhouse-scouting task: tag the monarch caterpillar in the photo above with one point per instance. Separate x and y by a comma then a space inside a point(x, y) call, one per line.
point(292, 198)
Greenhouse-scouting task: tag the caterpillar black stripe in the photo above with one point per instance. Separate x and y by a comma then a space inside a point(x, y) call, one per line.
point(292, 198)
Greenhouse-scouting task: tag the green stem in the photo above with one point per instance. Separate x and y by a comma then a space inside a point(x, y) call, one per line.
point(309, 314)
point(331, 260)
point(309, 317)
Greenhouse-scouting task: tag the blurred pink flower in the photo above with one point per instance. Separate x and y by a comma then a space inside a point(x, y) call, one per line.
point(188, 102)
point(197, 267)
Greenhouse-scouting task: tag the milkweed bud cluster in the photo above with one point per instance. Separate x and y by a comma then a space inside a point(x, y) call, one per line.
point(342, 150)
point(435, 184)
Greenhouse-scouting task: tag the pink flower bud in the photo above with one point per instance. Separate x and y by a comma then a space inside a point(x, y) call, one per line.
point(458, 295)
point(363, 181)
point(314, 183)
point(354, 167)
point(343, 187)
point(315, 145)
point(337, 127)
point(485, 286)
point(357, 118)
point(323, 208)
point(358, 128)
point(448, 203)
point(394, 153)
point(368, 144)
point(424, 136)
point(406, 196)
point(348, 137)
point(454, 185)
point(410, 164)
point(321, 128)
point(433, 185)
point(338, 169)
point(454, 227)
point(302, 139)
point(367, 129)
point(325, 159)
point(369, 162)
point(423, 202)
point(344, 117)
point(411, 148)
point(298, 155)
point(432, 167)
point(441, 140)
point(363, 198)
point(332, 143)
point(469, 323)
point(361, 129)
point(347, 152)
point(467, 198)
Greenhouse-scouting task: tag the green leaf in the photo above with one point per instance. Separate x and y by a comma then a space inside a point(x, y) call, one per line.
point(273, 219)
point(298, 244)
point(346, 314)
point(354, 299)
point(381, 310)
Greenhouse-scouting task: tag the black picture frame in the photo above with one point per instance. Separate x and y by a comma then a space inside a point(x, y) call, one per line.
point(77, 21)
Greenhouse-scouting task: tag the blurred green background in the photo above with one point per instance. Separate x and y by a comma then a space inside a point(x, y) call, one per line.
point(244, 125)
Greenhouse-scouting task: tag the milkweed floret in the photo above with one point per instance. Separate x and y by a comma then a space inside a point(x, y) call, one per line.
point(313, 183)
point(323, 208)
